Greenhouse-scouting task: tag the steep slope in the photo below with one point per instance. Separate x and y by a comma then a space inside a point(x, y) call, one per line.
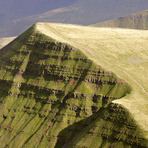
point(5, 41)
point(53, 95)
point(84, 12)
point(134, 21)
point(122, 51)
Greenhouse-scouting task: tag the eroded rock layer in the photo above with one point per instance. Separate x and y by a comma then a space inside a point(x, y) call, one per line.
point(52, 95)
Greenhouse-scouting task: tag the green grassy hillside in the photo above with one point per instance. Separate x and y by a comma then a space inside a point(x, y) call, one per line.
point(134, 21)
point(122, 51)
point(54, 95)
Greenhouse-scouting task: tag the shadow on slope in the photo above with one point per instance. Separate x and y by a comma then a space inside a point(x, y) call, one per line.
point(54, 88)
point(111, 127)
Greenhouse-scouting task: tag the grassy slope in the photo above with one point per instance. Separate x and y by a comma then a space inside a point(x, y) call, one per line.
point(134, 21)
point(5, 41)
point(52, 95)
point(122, 51)
point(49, 88)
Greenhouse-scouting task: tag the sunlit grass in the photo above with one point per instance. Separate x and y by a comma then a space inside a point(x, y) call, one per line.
point(123, 51)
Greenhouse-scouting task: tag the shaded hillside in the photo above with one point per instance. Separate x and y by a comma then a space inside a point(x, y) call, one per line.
point(84, 12)
point(134, 21)
point(53, 95)
point(5, 41)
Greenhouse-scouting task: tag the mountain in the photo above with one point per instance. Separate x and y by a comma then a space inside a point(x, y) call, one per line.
point(134, 21)
point(56, 92)
point(5, 41)
point(84, 12)
point(14, 9)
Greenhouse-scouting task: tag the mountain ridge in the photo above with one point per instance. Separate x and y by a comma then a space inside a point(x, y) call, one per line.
point(133, 21)
point(56, 95)
point(107, 34)
point(15, 9)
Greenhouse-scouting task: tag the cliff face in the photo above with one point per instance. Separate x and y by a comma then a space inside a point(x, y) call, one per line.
point(133, 21)
point(52, 95)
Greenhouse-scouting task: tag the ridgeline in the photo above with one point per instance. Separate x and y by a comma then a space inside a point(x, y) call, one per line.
point(133, 21)
point(53, 95)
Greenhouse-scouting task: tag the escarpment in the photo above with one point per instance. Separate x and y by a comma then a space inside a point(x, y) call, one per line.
point(52, 95)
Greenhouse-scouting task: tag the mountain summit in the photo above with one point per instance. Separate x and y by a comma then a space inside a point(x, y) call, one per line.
point(54, 95)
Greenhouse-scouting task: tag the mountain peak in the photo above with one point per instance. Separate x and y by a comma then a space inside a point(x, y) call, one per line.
point(54, 95)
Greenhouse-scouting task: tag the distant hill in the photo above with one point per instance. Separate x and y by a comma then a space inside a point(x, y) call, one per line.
point(84, 12)
point(14, 9)
point(134, 21)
